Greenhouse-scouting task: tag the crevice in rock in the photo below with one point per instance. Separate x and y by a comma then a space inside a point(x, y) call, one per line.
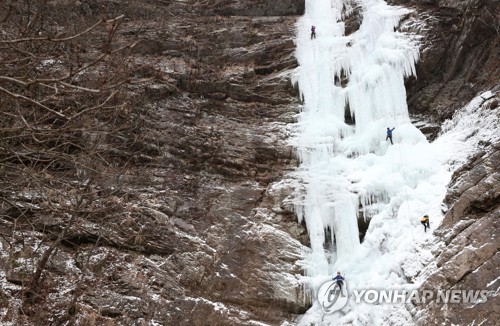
point(363, 224)
point(349, 118)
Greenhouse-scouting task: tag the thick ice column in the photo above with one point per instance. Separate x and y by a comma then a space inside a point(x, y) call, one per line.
point(327, 203)
point(381, 60)
point(375, 60)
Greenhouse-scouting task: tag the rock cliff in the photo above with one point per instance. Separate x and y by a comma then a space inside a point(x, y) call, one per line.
point(460, 60)
point(194, 227)
point(467, 258)
point(196, 233)
point(459, 56)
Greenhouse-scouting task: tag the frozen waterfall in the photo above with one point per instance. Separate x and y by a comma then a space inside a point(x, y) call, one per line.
point(353, 89)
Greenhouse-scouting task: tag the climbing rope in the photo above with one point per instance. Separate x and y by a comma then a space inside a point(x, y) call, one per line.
point(404, 165)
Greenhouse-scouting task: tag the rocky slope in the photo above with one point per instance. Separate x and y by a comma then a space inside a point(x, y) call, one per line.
point(200, 232)
point(459, 56)
point(459, 60)
point(197, 234)
point(467, 258)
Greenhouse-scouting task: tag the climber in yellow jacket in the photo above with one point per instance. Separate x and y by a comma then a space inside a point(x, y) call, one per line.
point(425, 222)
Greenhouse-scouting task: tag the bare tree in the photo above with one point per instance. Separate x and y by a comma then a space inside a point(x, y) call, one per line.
point(64, 122)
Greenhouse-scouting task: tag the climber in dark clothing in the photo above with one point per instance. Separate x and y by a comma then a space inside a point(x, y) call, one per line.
point(313, 32)
point(425, 222)
point(340, 280)
point(389, 134)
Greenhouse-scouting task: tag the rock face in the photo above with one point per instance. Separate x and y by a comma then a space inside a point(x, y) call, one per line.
point(459, 60)
point(198, 233)
point(459, 56)
point(256, 8)
point(468, 258)
point(197, 230)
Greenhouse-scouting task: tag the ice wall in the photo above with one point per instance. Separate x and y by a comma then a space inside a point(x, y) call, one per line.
point(349, 171)
point(344, 166)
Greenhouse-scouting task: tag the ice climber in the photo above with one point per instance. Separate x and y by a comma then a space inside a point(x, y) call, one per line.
point(425, 222)
point(340, 280)
point(313, 32)
point(389, 134)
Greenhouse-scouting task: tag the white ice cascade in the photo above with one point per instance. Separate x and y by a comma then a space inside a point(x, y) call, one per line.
point(348, 163)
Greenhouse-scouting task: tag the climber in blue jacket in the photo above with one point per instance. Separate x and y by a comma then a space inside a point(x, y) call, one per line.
point(389, 134)
point(340, 280)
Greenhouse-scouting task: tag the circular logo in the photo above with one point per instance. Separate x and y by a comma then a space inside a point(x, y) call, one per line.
point(332, 297)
